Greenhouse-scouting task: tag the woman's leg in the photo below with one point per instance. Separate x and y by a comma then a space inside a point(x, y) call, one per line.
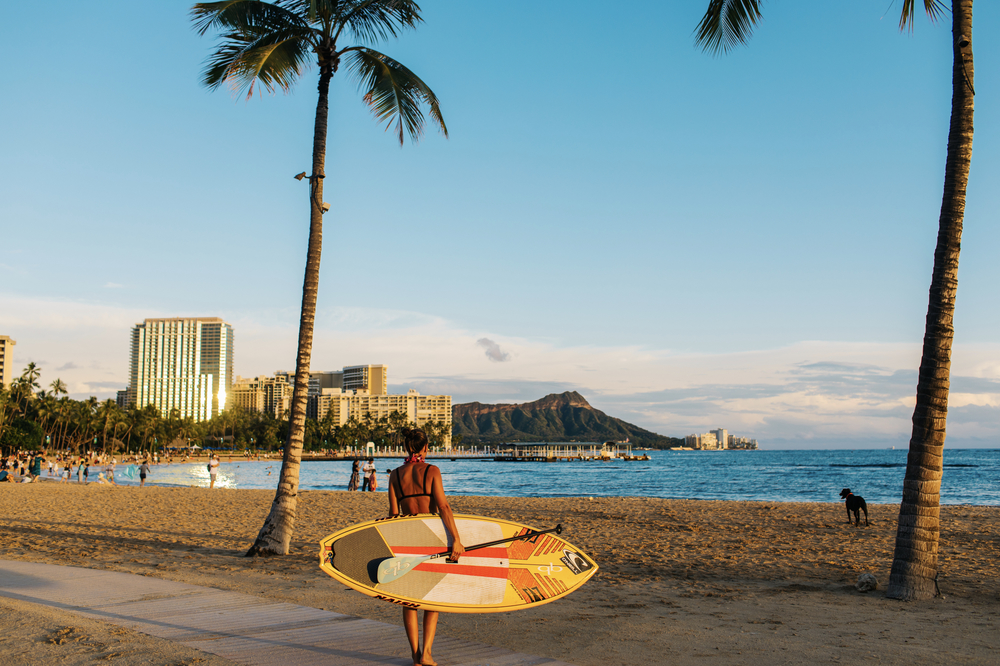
point(430, 628)
point(411, 622)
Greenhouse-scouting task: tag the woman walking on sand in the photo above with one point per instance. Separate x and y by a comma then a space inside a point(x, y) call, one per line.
point(355, 477)
point(416, 487)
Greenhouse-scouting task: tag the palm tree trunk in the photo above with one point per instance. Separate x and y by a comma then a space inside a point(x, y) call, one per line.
point(915, 566)
point(275, 535)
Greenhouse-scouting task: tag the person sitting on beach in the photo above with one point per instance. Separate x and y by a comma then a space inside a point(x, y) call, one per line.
point(101, 480)
point(416, 487)
point(6, 477)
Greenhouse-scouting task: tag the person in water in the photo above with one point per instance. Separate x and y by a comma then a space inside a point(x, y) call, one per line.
point(416, 487)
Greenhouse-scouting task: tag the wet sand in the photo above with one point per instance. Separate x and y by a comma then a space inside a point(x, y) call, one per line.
point(681, 581)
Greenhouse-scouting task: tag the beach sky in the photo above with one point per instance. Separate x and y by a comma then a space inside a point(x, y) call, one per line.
point(689, 241)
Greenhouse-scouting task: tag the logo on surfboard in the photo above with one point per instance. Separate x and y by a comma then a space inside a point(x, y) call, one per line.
point(574, 562)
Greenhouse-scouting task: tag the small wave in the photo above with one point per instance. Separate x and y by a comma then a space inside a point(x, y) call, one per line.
point(867, 465)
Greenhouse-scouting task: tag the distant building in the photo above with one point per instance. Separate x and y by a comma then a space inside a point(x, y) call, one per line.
point(263, 394)
point(121, 399)
point(717, 440)
point(183, 363)
point(742, 443)
point(371, 378)
point(339, 406)
point(6, 354)
point(339, 395)
point(706, 442)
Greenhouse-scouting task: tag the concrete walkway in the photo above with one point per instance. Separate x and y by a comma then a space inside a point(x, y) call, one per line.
point(235, 626)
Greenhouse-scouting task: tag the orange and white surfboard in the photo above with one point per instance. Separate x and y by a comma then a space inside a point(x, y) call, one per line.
point(519, 574)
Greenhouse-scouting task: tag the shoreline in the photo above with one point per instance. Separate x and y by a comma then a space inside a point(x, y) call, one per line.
point(681, 581)
point(381, 490)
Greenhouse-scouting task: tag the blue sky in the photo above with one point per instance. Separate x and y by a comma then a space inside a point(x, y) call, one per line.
point(690, 241)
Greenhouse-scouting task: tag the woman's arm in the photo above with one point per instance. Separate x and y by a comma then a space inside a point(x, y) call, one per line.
point(437, 493)
point(393, 502)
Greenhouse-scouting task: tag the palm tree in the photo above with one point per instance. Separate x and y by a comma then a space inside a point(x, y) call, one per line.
point(914, 566)
point(272, 44)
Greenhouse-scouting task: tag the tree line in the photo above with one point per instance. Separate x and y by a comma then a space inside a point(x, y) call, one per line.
point(34, 418)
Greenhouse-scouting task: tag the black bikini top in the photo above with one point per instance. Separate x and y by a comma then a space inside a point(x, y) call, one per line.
point(399, 485)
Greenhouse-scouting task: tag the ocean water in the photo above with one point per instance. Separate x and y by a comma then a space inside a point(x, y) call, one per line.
point(971, 476)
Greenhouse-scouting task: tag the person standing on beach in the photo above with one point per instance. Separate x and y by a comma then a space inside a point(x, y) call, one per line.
point(143, 471)
point(369, 471)
point(355, 477)
point(79, 471)
point(213, 470)
point(416, 487)
point(35, 467)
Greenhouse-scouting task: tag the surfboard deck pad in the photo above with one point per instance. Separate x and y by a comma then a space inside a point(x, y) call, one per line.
point(519, 574)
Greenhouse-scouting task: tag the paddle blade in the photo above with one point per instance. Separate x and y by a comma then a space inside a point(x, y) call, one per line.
point(392, 568)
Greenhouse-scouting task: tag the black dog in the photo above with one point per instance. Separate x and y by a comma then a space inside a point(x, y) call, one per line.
point(855, 504)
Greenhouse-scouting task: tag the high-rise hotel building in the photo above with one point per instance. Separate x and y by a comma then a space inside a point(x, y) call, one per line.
point(185, 363)
point(5, 361)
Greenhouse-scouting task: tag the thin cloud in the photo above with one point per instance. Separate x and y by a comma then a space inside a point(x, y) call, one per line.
point(112, 285)
point(68, 366)
point(493, 351)
point(806, 394)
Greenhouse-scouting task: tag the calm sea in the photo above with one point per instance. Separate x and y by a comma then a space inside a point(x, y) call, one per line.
point(971, 476)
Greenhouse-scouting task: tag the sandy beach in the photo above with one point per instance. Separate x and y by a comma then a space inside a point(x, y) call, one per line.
point(681, 581)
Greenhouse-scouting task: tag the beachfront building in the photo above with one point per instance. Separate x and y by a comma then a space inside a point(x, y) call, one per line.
point(703, 442)
point(182, 363)
point(371, 378)
point(263, 394)
point(742, 443)
point(325, 380)
point(339, 405)
point(6, 361)
point(121, 399)
point(717, 440)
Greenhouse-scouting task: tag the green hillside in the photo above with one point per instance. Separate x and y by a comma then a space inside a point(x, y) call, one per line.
point(555, 418)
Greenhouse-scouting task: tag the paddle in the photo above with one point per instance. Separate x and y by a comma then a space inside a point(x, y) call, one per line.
point(392, 568)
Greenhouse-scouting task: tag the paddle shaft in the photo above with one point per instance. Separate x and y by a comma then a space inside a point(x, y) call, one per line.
point(557, 529)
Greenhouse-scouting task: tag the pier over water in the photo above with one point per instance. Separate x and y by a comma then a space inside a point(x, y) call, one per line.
point(513, 452)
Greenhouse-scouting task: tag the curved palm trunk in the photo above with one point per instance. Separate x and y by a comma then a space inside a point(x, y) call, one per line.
point(275, 536)
point(914, 565)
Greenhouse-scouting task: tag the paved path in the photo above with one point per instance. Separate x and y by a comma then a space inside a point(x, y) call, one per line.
point(235, 626)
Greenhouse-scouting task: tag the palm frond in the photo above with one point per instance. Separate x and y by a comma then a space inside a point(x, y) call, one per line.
point(726, 24)
point(394, 93)
point(243, 15)
point(374, 20)
point(274, 59)
point(934, 8)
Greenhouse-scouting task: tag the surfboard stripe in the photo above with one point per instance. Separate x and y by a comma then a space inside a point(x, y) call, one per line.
point(549, 587)
point(481, 572)
point(487, 553)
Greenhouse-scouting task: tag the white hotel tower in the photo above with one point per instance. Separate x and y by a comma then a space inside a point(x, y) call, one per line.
point(184, 363)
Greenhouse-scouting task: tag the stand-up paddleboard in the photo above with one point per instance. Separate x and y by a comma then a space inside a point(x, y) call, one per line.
point(519, 573)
